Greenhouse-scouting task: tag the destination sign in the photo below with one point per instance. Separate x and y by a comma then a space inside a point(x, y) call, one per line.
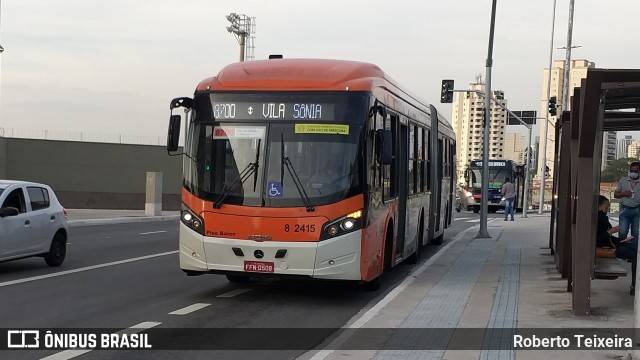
point(272, 111)
point(491, 163)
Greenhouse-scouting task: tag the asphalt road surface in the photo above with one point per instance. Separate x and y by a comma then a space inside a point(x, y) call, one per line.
point(119, 276)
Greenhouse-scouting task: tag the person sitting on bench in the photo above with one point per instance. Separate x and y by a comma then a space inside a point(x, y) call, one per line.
point(626, 249)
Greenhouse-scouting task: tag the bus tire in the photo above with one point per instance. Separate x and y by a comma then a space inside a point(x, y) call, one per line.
point(476, 209)
point(437, 240)
point(238, 278)
point(373, 285)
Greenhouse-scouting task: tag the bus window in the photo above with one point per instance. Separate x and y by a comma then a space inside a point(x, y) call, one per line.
point(429, 161)
point(390, 173)
point(412, 156)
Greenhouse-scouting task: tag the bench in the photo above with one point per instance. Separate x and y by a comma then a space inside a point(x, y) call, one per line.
point(608, 269)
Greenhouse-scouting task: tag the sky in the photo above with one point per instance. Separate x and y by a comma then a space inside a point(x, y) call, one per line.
point(113, 66)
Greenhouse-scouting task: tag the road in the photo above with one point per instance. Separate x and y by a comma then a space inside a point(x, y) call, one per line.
point(118, 276)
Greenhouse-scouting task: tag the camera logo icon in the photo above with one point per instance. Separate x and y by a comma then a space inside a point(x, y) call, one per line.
point(23, 339)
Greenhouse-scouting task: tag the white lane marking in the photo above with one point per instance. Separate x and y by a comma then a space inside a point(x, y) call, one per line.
point(87, 268)
point(140, 327)
point(463, 218)
point(189, 309)
point(233, 293)
point(473, 221)
point(70, 354)
point(153, 232)
point(371, 313)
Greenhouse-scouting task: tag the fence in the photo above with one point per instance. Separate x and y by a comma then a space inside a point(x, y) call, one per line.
point(81, 136)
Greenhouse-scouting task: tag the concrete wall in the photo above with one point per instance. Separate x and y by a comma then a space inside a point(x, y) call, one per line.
point(92, 175)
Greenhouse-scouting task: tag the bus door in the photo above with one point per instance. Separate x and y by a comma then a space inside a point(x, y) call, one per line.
point(402, 160)
point(435, 175)
point(439, 175)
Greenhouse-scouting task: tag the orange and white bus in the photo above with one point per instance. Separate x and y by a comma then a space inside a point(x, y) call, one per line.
point(323, 169)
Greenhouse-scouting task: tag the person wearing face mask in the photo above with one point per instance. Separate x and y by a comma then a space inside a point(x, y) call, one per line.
point(628, 191)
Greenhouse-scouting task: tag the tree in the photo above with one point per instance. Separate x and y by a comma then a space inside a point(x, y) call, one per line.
point(618, 168)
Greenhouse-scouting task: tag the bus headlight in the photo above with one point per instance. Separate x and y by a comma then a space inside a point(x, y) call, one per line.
point(343, 225)
point(193, 221)
point(348, 224)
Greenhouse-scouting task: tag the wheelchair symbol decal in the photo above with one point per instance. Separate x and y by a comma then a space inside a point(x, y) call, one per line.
point(274, 189)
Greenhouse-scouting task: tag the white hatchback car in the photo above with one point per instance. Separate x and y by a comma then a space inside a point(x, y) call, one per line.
point(32, 222)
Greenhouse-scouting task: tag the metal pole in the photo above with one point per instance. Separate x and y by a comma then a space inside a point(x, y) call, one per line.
point(543, 164)
point(483, 232)
point(567, 63)
point(242, 40)
point(527, 178)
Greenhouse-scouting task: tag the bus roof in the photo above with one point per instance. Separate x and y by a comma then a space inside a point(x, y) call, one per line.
point(308, 75)
point(295, 74)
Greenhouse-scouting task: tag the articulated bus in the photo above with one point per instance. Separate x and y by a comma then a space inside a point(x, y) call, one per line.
point(322, 169)
point(499, 171)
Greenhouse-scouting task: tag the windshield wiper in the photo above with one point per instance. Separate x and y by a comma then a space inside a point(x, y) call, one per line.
point(285, 161)
point(255, 171)
point(251, 169)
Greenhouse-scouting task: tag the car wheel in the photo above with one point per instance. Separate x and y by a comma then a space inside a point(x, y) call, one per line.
point(238, 278)
point(57, 251)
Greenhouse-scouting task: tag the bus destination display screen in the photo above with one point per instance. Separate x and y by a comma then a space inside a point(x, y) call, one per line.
point(273, 111)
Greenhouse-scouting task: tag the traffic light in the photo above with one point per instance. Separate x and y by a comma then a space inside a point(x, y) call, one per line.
point(446, 94)
point(552, 106)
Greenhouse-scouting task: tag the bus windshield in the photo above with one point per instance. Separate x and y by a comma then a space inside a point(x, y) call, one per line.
point(246, 161)
point(497, 177)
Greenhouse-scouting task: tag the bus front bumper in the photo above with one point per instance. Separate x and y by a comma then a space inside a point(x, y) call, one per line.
point(337, 258)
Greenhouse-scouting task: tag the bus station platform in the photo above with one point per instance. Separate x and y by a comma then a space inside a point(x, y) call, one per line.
point(483, 291)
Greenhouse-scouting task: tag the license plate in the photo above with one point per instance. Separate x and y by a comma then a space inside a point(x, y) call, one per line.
point(258, 266)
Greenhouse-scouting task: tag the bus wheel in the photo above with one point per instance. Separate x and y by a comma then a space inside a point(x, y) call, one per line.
point(238, 278)
point(438, 240)
point(372, 285)
point(476, 209)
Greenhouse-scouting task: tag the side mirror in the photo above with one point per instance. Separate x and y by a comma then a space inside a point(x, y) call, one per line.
point(8, 211)
point(381, 110)
point(384, 147)
point(174, 133)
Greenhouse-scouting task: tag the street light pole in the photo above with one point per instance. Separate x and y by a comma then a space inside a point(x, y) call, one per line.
point(543, 164)
point(527, 178)
point(242, 27)
point(567, 64)
point(483, 232)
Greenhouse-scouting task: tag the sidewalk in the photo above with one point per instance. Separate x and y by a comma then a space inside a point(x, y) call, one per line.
point(506, 282)
point(84, 217)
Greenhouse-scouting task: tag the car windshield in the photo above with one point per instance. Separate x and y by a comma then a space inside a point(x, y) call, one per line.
point(232, 158)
